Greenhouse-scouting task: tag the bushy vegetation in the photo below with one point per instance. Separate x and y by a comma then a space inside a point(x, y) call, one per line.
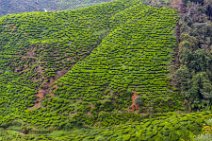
point(170, 126)
point(134, 56)
point(75, 71)
point(36, 47)
point(14, 6)
point(194, 75)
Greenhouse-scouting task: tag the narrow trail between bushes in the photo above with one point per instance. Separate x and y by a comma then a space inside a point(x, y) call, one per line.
point(179, 6)
point(47, 88)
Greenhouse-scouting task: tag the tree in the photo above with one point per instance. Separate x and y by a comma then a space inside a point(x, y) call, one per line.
point(183, 77)
point(209, 12)
point(200, 60)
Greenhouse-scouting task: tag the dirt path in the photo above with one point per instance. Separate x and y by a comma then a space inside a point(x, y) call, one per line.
point(47, 88)
point(179, 5)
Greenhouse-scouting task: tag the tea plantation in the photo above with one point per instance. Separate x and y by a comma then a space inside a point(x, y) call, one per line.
point(14, 6)
point(69, 75)
point(35, 47)
point(164, 127)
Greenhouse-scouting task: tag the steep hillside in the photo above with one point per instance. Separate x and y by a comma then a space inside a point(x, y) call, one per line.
point(194, 74)
point(37, 48)
point(14, 6)
point(77, 70)
point(126, 60)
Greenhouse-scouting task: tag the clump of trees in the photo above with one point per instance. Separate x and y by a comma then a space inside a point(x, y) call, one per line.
point(198, 1)
point(207, 5)
point(195, 1)
point(194, 76)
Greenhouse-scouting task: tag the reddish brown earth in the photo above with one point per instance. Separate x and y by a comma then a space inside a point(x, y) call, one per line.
point(47, 84)
point(134, 105)
point(40, 96)
point(47, 88)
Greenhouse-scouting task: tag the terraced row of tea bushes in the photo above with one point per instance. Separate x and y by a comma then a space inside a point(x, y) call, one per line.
point(13, 6)
point(68, 4)
point(170, 127)
point(135, 55)
point(62, 118)
point(37, 47)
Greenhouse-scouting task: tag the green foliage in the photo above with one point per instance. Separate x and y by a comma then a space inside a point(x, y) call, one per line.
point(205, 137)
point(209, 122)
point(39, 47)
point(88, 61)
point(170, 126)
point(12, 6)
point(97, 54)
point(124, 61)
point(115, 46)
point(194, 74)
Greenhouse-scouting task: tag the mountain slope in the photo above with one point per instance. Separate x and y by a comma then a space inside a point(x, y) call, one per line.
point(76, 71)
point(133, 56)
point(14, 6)
point(36, 49)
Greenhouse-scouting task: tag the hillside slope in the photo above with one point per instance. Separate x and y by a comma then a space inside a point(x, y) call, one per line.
point(133, 46)
point(36, 49)
point(14, 6)
point(75, 71)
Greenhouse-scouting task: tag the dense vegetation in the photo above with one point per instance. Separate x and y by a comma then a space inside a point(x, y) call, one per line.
point(170, 127)
point(69, 75)
point(36, 49)
point(14, 6)
point(195, 56)
point(131, 57)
